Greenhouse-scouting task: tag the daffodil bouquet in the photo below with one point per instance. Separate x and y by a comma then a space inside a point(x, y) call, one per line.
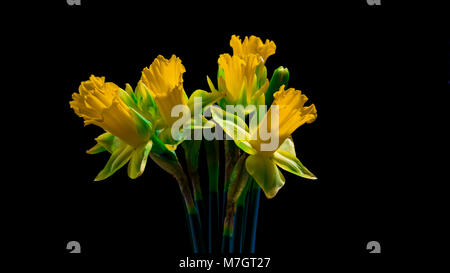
point(254, 116)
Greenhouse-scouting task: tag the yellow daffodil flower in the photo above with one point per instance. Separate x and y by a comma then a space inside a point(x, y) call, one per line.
point(243, 76)
point(128, 133)
point(262, 164)
point(239, 79)
point(164, 80)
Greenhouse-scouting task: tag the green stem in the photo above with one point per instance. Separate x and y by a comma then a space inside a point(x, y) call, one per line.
point(213, 161)
point(195, 180)
point(232, 153)
point(238, 182)
point(191, 151)
point(175, 169)
point(240, 221)
point(253, 211)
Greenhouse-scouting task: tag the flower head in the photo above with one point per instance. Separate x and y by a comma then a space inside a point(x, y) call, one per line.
point(289, 112)
point(243, 76)
point(164, 80)
point(238, 78)
point(99, 103)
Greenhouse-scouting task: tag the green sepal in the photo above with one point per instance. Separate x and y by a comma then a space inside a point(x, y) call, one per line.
point(127, 98)
point(235, 127)
point(261, 74)
point(118, 158)
point(205, 123)
point(292, 164)
point(220, 73)
point(279, 77)
point(138, 160)
point(108, 141)
point(288, 146)
point(98, 148)
point(146, 102)
point(144, 126)
point(130, 92)
point(165, 136)
point(160, 149)
point(208, 98)
point(129, 89)
point(211, 85)
point(266, 174)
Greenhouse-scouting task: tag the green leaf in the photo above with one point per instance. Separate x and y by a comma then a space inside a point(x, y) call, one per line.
point(265, 173)
point(289, 162)
point(118, 158)
point(138, 160)
point(235, 127)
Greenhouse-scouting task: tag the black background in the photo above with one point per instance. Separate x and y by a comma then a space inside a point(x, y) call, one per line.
point(353, 62)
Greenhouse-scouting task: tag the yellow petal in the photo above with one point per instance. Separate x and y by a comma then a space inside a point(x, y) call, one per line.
point(252, 45)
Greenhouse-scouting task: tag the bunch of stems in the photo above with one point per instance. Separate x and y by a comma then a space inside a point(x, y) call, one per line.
point(230, 223)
